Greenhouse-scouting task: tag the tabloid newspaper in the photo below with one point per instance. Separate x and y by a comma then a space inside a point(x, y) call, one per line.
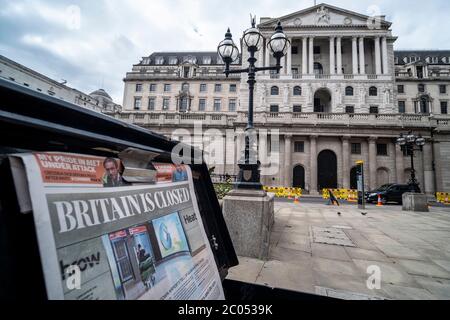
point(101, 238)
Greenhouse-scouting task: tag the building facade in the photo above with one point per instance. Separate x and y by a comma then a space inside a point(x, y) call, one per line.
point(343, 95)
point(98, 100)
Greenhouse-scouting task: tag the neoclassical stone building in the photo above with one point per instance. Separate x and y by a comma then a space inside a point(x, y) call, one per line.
point(343, 95)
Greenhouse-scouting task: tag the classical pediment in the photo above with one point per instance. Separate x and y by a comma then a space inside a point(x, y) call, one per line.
point(324, 15)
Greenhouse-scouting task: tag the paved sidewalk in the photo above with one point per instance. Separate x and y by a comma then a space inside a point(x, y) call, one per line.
point(412, 250)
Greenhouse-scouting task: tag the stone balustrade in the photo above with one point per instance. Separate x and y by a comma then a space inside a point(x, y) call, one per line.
point(286, 118)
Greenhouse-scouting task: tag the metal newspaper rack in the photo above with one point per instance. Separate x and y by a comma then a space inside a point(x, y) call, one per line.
point(33, 122)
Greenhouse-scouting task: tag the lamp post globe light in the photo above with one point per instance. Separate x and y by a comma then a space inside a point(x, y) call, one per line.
point(410, 143)
point(249, 174)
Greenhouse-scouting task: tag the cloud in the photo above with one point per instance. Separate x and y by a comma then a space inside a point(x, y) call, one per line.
point(87, 41)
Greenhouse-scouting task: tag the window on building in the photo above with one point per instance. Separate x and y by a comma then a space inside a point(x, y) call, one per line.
point(318, 68)
point(186, 72)
point(167, 88)
point(297, 91)
point(444, 107)
point(373, 91)
point(153, 87)
point(232, 105)
point(442, 89)
point(166, 104)
point(184, 104)
point(382, 149)
point(349, 109)
point(151, 104)
point(218, 88)
point(349, 91)
point(297, 108)
point(401, 88)
point(207, 60)
point(401, 107)
point(274, 91)
point(421, 88)
point(173, 60)
point(316, 49)
point(299, 146)
point(138, 87)
point(159, 60)
point(373, 109)
point(203, 87)
point(274, 108)
point(233, 88)
point(137, 103)
point(202, 105)
point(294, 50)
point(217, 105)
point(356, 148)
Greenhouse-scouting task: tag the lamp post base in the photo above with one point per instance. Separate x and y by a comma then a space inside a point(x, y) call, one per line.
point(249, 177)
point(249, 215)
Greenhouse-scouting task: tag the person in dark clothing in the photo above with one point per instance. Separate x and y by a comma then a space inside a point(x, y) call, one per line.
point(142, 254)
point(112, 177)
point(333, 201)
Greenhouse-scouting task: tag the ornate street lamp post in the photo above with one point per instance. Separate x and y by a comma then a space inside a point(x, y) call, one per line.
point(249, 174)
point(408, 143)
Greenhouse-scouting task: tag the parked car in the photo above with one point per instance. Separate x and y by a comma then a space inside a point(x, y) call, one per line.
point(390, 193)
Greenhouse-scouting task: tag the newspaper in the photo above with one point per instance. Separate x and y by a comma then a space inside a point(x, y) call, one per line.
point(101, 238)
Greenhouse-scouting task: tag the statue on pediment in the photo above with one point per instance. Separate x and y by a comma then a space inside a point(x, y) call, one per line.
point(323, 15)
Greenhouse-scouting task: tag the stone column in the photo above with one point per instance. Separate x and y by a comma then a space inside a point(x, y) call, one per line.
point(267, 62)
point(377, 55)
point(311, 55)
point(261, 55)
point(373, 162)
point(339, 54)
point(305, 55)
point(283, 64)
point(289, 59)
point(429, 185)
point(392, 155)
point(240, 143)
point(287, 160)
point(362, 58)
point(438, 166)
point(355, 55)
point(262, 152)
point(313, 165)
point(346, 162)
point(332, 56)
point(400, 164)
point(385, 55)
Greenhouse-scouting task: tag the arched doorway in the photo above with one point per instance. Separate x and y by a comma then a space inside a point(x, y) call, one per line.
point(322, 101)
point(354, 178)
point(327, 170)
point(299, 177)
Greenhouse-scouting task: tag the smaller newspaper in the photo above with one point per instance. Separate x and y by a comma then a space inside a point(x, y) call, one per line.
point(101, 238)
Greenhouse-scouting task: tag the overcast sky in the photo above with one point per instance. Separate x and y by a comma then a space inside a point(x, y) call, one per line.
point(93, 43)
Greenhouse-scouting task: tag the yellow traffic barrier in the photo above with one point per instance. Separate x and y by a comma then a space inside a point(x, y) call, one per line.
point(284, 192)
point(443, 197)
point(340, 194)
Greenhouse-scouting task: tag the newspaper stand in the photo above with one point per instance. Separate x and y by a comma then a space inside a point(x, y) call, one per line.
point(34, 122)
